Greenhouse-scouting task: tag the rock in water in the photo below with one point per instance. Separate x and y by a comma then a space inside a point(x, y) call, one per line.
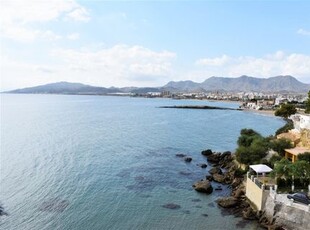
point(215, 170)
point(207, 152)
point(171, 206)
point(188, 159)
point(227, 202)
point(203, 186)
point(218, 178)
point(203, 165)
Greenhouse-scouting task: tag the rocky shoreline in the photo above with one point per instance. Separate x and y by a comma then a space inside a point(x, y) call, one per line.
point(226, 171)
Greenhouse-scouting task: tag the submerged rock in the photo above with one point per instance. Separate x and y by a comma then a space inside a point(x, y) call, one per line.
point(188, 159)
point(180, 155)
point(196, 200)
point(203, 165)
point(2, 212)
point(54, 205)
point(171, 206)
point(218, 188)
point(203, 186)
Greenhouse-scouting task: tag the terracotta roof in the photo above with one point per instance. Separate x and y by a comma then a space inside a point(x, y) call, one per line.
point(297, 150)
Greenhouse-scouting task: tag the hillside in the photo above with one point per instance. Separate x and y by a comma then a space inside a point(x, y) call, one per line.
point(243, 83)
point(66, 88)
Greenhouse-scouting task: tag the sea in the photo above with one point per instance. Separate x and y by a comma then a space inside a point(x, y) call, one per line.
point(99, 162)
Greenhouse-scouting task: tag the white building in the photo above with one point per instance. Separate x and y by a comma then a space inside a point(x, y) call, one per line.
point(301, 121)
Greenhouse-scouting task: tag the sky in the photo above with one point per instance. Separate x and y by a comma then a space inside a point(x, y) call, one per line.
point(149, 43)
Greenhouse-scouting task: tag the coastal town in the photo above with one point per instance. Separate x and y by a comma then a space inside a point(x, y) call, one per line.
point(251, 100)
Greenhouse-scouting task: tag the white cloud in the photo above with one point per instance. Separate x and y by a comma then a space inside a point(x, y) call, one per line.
point(120, 65)
point(303, 32)
point(21, 20)
point(74, 36)
point(79, 14)
point(278, 63)
point(121, 59)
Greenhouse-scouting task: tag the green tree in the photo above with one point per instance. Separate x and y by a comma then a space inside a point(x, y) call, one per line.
point(308, 104)
point(282, 168)
point(247, 136)
point(304, 157)
point(252, 147)
point(301, 170)
point(280, 145)
point(286, 110)
point(274, 159)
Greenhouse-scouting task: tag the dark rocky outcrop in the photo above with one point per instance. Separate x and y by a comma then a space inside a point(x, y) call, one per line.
point(203, 186)
point(203, 165)
point(209, 177)
point(215, 170)
point(249, 214)
point(218, 178)
point(188, 159)
point(2, 212)
point(214, 158)
point(227, 202)
point(207, 152)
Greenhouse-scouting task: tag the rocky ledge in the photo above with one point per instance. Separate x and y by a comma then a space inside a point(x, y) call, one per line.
point(226, 171)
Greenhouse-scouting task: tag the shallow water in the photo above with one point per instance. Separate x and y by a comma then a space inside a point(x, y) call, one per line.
point(92, 162)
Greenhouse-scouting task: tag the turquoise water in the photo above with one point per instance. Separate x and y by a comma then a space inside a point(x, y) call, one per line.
point(92, 162)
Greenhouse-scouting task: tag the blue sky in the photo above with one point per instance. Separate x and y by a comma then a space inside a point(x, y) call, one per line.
point(143, 43)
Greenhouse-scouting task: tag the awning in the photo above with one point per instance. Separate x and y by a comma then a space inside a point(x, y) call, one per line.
point(261, 168)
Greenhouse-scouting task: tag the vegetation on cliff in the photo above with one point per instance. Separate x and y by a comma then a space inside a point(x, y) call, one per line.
point(286, 110)
point(308, 104)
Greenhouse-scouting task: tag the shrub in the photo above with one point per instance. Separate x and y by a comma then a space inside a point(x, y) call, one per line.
point(304, 157)
point(273, 159)
point(280, 145)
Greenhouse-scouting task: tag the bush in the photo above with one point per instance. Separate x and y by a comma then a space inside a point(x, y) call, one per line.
point(308, 104)
point(304, 157)
point(273, 159)
point(247, 137)
point(280, 145)
point(252, 147)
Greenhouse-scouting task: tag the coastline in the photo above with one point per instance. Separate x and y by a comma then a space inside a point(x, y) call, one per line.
point(264, 112)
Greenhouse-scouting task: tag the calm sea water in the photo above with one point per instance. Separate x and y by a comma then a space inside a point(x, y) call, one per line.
point(92, 162)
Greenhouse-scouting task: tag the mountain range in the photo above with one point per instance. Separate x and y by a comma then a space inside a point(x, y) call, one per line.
point(224, 84)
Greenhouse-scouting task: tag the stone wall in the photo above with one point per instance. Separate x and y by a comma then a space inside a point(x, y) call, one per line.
point(285, 215)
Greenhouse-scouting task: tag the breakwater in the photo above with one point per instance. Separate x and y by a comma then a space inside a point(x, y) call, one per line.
point(198, 107)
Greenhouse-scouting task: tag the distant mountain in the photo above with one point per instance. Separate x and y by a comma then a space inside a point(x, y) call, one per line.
point(243, 83)
point(66, 88)
point(240, 84)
